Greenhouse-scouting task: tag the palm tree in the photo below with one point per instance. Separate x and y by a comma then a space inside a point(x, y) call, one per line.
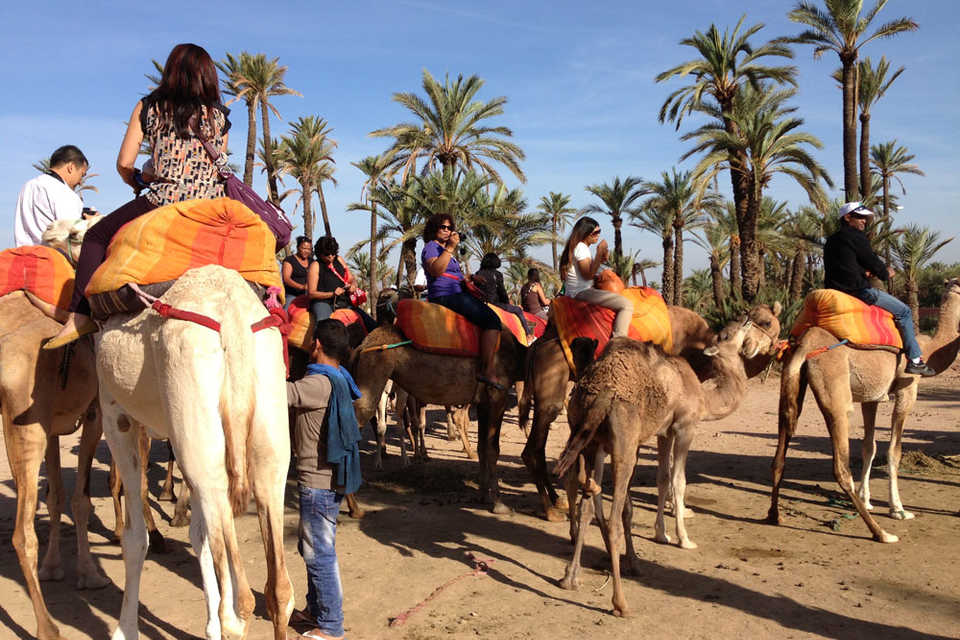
point(451, 132)
point(557, 206)
point(373, 168)
point(698, 291)
point(726, 219)
point(915, 247)
point(618, 201)
point(841, 29)
point(305, 155)
point(640, 266)
point(256, 80)
point(888, 160)
point(767, 137)
point(727, 62)
point(659, 220)
point(714, 239)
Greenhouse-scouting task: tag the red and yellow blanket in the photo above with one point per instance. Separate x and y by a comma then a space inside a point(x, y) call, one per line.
point(42, 271)
point(847, 318)
point(578, 319)
point(436, 329)
point(302, 324)
point(161, 245)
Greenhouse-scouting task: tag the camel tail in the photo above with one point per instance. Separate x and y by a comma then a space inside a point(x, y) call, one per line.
point(582, 431)
point(237, 403)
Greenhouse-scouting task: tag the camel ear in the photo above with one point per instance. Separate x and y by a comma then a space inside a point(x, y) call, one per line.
point(777, 308)
point(712, 351)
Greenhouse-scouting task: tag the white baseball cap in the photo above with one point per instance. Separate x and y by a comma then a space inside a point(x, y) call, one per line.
point(855, 207)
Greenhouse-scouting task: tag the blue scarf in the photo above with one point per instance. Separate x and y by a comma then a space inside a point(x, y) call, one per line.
point(343, 433)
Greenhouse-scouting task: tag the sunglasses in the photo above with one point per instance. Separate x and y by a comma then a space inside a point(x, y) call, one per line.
point(595, 232)
point(448, 227)
point(859, 216)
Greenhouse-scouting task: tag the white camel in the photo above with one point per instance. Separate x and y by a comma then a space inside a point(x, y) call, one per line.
point(219, 397)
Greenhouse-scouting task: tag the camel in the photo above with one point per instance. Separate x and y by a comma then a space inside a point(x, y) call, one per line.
point(219, 397)
point(844, 375)
point(632, 392)
point(548, 373)
point(444, 380)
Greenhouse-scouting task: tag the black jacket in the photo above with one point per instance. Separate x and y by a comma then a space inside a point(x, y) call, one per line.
point(846, 256)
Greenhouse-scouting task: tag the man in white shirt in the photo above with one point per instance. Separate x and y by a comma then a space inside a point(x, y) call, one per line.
point(50, 196)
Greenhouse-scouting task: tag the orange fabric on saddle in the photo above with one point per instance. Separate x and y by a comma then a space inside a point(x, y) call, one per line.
point(539, 324)
point(302, 324)
point(577, 319)
point(163, 244)
point(436, 329)
point(42, 271)
point(847, 318)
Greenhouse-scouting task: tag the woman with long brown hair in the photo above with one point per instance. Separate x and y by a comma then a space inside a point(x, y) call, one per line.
point(181, 112)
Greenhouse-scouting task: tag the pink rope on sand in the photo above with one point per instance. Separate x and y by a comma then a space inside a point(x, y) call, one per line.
point(479, 569)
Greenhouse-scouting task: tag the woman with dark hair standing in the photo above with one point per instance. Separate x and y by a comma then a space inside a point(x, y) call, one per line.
point(578, 267)
point(532, 297)
point(294, 270)
point(330, 284)
point(444, 286)
point(183, 110)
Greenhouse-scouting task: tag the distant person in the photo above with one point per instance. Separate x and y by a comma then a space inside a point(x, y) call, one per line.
point(50, 196)
point(532, 297)
point(294, 270)
point(326, 437)
point(330, 284)
point(848, 261)
point(490, 281)
point(184, 108)
point(578, 268)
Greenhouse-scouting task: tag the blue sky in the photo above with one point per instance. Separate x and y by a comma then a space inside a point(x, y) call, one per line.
point(578, 77)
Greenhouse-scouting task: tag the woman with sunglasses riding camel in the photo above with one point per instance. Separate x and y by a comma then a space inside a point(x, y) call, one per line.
point(578, 266)
point(444, 286)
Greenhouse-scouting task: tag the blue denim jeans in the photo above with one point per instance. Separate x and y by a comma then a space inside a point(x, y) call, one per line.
point(318, 534)
point(321, 309)
point(901, 314)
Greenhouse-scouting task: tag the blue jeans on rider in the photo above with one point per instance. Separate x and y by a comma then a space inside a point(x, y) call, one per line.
point(321, 309)
point(901, 314)
point(318, 534)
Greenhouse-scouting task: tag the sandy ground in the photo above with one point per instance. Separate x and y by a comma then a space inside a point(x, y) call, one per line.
point(818, 575)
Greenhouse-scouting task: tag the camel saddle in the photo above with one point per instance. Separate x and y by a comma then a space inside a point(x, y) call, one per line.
point(436, 329)
point(43, 271)
point(539, 324)
point(578, 319)
point(847, 318)
point(152, 251)
point(302, 324)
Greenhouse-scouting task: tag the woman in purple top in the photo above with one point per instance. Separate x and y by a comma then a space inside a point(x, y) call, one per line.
point(444, 286)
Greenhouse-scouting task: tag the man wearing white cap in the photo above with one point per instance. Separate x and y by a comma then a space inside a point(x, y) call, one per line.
point(847, 262)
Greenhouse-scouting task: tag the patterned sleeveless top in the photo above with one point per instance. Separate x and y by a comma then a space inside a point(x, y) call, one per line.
point(184, 170)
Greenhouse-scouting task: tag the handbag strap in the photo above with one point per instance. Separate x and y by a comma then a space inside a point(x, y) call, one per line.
point(337, 273)
point(215, 158)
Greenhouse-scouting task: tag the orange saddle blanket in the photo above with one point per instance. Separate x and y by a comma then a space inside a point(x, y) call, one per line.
point(436, 329)
point(163, 244)
point(42, 271)
point(847, 318)
point(577, 319)
point(302, 324)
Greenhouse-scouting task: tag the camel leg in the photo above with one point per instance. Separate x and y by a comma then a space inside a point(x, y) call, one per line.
point(25, 446)
point(461, 418)
point(88, 575)
point(166, 493)
point(681, 446)
point(535, 459)
point(793, 387)
point(490, 420)
point(403, 423)
point(452, 434)
point(624, 433)
point(581, 511)
point(157, 543)
point(664, 448)
point(51, 567)
point(181, 517)
point(869, 451)
point(380, 428)
point(905, 400)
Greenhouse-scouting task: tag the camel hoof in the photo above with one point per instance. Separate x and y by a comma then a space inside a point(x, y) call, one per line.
point(773, 517)
point(553, 514)
point(167, 495)
point(662, 538)
point(357, 514)
point(561, 502)
point(157, 543)
point(901, 514)
point(92, 581)
point(471, 455)
point(621, 612)
point(500, 508)
point(180, 520)
point(688, 512)
point(55, 574)
point(116, 537)
point(688, 544)
point(887, 538)
point(570, 584)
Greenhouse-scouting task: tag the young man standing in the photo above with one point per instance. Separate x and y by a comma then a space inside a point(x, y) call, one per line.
point(328, 467)
point(847, 262)
point(50, 196)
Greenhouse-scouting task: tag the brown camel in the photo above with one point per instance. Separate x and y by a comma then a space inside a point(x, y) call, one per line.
point(632, 392)
point(445, 380)
point(844, 375)
point(548, 374)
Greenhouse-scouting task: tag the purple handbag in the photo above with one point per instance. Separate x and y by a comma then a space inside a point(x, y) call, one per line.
point(271, 214)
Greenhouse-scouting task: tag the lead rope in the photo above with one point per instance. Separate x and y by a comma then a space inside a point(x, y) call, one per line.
point(480, 568)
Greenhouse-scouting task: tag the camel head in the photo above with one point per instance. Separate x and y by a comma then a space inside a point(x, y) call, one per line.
point(66, 235)
point(723, 392)
point(764, 332)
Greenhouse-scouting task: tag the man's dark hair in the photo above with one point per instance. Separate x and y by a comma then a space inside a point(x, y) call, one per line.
point(326, 246)
point(68, 153)
point(332, 336)
point(490, 261)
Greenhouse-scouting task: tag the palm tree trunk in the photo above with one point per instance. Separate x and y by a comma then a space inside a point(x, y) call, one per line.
point(762, 271)
point(740, 184)
point(373, 257)
point(717, 277)
point(408, 254)
point(864, 155)
point(736, 273)
point(886, 214)
point(251, 144)
point(323, 210)
point(677, 265)
point(796, 277)
point(749, 249)
point(914, 302)
point(851, 187)
point(617, 238)
point(307, 192)
point(268, 153)
point(668, 268)
point(643, 277)
point(553, 243)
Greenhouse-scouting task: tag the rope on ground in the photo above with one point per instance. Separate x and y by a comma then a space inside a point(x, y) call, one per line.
point(480, 567)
